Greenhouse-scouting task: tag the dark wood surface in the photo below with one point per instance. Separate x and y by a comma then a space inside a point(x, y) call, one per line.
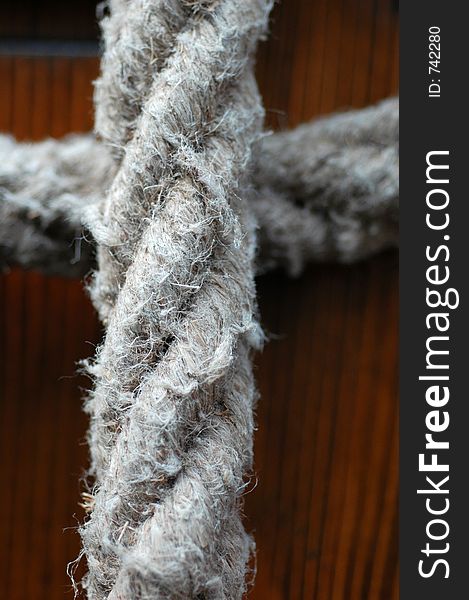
point(323, 506)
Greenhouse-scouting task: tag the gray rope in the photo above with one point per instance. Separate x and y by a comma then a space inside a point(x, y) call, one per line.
point(171, 411)
point(333, 195)
point(334, 191)
point(43, 189)
point(138, 37)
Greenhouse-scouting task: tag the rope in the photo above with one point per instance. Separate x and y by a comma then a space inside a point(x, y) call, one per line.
point(171, 411)
point(334, 194)
point(334, 191)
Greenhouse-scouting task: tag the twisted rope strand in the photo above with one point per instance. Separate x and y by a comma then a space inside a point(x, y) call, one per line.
point(180, 113)
point(139, 36)
point(43, 190)
point(176, 283)
point(334, 193)
point(175, 249)
point(338, 200)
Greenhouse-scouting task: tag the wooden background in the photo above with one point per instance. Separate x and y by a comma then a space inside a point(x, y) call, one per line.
point(324, 506)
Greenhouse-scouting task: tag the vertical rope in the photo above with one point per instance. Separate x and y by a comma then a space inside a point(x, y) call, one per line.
point(171, 411)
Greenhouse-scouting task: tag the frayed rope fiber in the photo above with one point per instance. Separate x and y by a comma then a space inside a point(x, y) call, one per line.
point(333, 194)
point(171, 412)
point(173, 200)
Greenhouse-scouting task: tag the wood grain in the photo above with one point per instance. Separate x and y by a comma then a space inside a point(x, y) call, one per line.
point(323, 500)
